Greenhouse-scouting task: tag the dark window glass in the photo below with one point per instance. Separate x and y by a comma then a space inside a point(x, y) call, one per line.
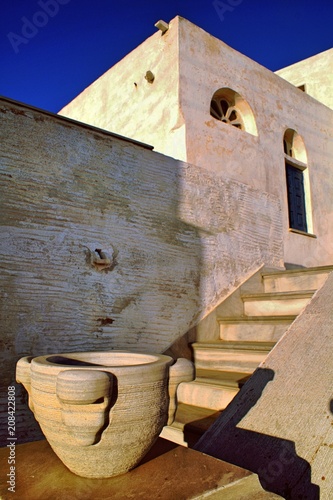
point(296, 198)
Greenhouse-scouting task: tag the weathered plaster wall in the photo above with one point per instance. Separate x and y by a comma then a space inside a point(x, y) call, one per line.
point(124, 102)
point(316, 73)
point(178, 239)
point(207, 64)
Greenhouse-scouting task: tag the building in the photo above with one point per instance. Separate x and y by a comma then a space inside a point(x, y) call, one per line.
point(110, 243)
point(188, 69)
point(313, 76)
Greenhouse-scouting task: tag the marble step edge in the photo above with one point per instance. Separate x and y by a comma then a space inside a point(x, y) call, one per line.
point(234, 345)
point(268, 296)
point(306, 270)
point(256, 319)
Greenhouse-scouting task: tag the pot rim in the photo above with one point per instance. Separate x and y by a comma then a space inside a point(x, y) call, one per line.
point(97, 360)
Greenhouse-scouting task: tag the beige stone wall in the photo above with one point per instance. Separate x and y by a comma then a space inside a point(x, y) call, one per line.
point(178, 241)
point(316, 73)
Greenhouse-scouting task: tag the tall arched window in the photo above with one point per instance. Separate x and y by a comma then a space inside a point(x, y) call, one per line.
point(297, 179)
point(229, 107)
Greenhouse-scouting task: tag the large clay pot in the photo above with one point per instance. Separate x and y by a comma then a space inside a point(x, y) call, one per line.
point(101, 411)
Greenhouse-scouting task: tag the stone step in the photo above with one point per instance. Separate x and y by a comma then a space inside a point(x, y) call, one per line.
point(296, 279)
point(214, 396)
point(240, 357)
point(234, 380)
point(196, 418)
point(189, 424)
point(257, 328)
point(176, 435)
point(224, 365)
point(211, 389)
point(277, 303)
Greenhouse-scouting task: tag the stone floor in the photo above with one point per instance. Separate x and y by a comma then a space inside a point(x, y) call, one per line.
point(168, 472)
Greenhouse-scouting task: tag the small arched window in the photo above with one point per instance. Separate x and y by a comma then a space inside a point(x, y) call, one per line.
point(229, 107)
point(297, 179)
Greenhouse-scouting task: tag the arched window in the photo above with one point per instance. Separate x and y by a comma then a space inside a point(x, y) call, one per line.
point(297, 179)
point(229, 107)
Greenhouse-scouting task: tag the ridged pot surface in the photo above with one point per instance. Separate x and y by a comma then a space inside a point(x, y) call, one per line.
point(100, 412)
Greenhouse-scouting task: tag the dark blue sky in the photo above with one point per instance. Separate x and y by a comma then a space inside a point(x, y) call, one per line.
point(50, 55)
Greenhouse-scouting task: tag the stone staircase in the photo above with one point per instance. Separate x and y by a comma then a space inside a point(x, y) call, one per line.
point(250, 322)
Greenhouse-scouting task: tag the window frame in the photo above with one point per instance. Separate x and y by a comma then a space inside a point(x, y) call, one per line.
point(296, 196)
point(302, 167)
point(234, 111)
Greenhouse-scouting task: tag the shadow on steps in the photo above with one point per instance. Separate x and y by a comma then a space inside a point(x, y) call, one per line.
point(275, 460)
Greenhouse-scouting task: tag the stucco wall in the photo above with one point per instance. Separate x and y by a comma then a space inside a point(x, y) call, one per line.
point(316, 73)
point(178, 241)
point(207, 64)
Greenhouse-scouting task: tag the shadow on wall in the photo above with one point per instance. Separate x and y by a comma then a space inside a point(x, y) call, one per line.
point(95, 257)
point(115, 247)
point(275, 460)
